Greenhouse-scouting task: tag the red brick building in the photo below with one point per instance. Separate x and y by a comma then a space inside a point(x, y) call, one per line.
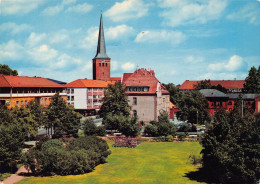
point(231, 85)
point(18, 91)
point(218, 100)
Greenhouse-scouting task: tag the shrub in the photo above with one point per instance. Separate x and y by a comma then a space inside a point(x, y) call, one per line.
point(169, 138)
point(151, 130)
point(79, 156)
point(182, 137)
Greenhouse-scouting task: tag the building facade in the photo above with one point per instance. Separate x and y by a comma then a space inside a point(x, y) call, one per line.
point(18, 91)
point(86, 95)
point(147, 97)
point(218, 100)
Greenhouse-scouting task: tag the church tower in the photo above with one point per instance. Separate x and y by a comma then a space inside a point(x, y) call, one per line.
point(101, 62)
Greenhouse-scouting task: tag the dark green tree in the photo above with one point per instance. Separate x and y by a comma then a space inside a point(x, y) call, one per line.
point(91, 129)
point(115, 101)
point(220, 88)
point(194, 105)
point(62, 117)
point(252, 81)
point(11, 143)
point(38, 112)
point(204, 84)
point(231, 152)
point(175, 94)
point(6, 117)
point(6, 70)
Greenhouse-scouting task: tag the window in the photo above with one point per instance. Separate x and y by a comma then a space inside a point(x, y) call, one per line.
point(17, 103)
point(230, 103)
point(221, 103)
point(45, 101)
point(25, 102)
point(72, 98)
point(72, 91)
point(99, 64)
point(134, 101)
point(102, 64)
point(68, 91)
point(106, 64)
point(135, 113)
point(21, 102)
point(68, 98)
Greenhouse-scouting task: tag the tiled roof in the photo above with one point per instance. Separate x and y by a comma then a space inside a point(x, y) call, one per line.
point(83, 83)
point(212, 93)
point(22, 81)
point(228, 84)
point(116, 79)
point(143, 77)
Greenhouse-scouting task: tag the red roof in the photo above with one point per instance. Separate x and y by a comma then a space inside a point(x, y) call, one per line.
point(143, 77)
point(228, 84)
point(22, 81)
point(83, 83)
point(116, 79)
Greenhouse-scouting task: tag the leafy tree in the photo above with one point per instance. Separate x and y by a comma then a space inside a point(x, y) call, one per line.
point(161, 128)
point(6, 70)
point(38, 112)
point(62, 117)
point(175, 94)
point(231, 152)
point(193, 105)
point(11, 142)
point(252, 81)
point(91, 129)
point(204, 84)
point(115, 101)
point(130, 127)
point(26, 119)
point(6, 117)
point(220, 88)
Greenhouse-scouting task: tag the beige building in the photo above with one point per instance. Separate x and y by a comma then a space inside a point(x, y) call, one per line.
point(147, 96)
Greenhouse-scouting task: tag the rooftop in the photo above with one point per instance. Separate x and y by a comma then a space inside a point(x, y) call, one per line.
point(84, 83)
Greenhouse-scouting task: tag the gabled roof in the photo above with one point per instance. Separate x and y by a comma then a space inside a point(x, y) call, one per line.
point(24, 81)
point(228, 84)
point(143, 77)
point(115, 79)
point(213, 93)
point(57, 81)
point(87, 83)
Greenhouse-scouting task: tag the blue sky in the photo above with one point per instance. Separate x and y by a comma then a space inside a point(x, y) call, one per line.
point(179, 39)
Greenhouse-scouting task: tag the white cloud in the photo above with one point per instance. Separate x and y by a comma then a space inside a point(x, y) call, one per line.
point(20, 6)
point(58, 37)
point(128, 66)
point(114, 65)
point(174, 37)
point(35, 39)
point(67, 2)
point(80, 8)
point(118, 32)
point(43, 54)
point(128, 9)
point(14, 28)
point(179, 12)
point(194, 59)
point(112, 33)
point(235, 63)
point(250, 13)
point(53, 10)
point(10, 51)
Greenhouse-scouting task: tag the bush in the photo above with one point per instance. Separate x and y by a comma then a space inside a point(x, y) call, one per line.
point(169, 138)
point(79, 156)
point(182, 137)
point(91, 129)
point(151, 130)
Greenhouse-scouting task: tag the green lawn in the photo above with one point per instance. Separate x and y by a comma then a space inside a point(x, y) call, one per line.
point(150, 162)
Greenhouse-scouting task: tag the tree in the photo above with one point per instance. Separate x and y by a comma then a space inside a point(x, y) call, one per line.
point(252, 81)
point(204, 84)
point(161, 128)
point(193, 106)
point(6, 117)
point(231, 148)
point(62, 117)
point(175, 94)
point(91, 129)
point(11, 143)
point(6, 70)
point(115, 101)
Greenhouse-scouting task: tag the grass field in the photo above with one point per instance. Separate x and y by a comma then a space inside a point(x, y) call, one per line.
point(150, 162)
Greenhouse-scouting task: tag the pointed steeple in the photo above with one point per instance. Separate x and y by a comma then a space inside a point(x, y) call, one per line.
point(101, 47)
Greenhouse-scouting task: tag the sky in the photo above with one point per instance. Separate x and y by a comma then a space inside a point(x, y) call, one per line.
point(178, 39)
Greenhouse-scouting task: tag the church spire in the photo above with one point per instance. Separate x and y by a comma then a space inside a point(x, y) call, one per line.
point(101, 47)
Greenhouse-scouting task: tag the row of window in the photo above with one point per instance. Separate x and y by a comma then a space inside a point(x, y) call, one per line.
point(103, 64)
point(70, 98)
point(137, 89)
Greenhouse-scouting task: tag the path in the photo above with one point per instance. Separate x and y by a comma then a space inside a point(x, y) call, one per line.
point(15, 177)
